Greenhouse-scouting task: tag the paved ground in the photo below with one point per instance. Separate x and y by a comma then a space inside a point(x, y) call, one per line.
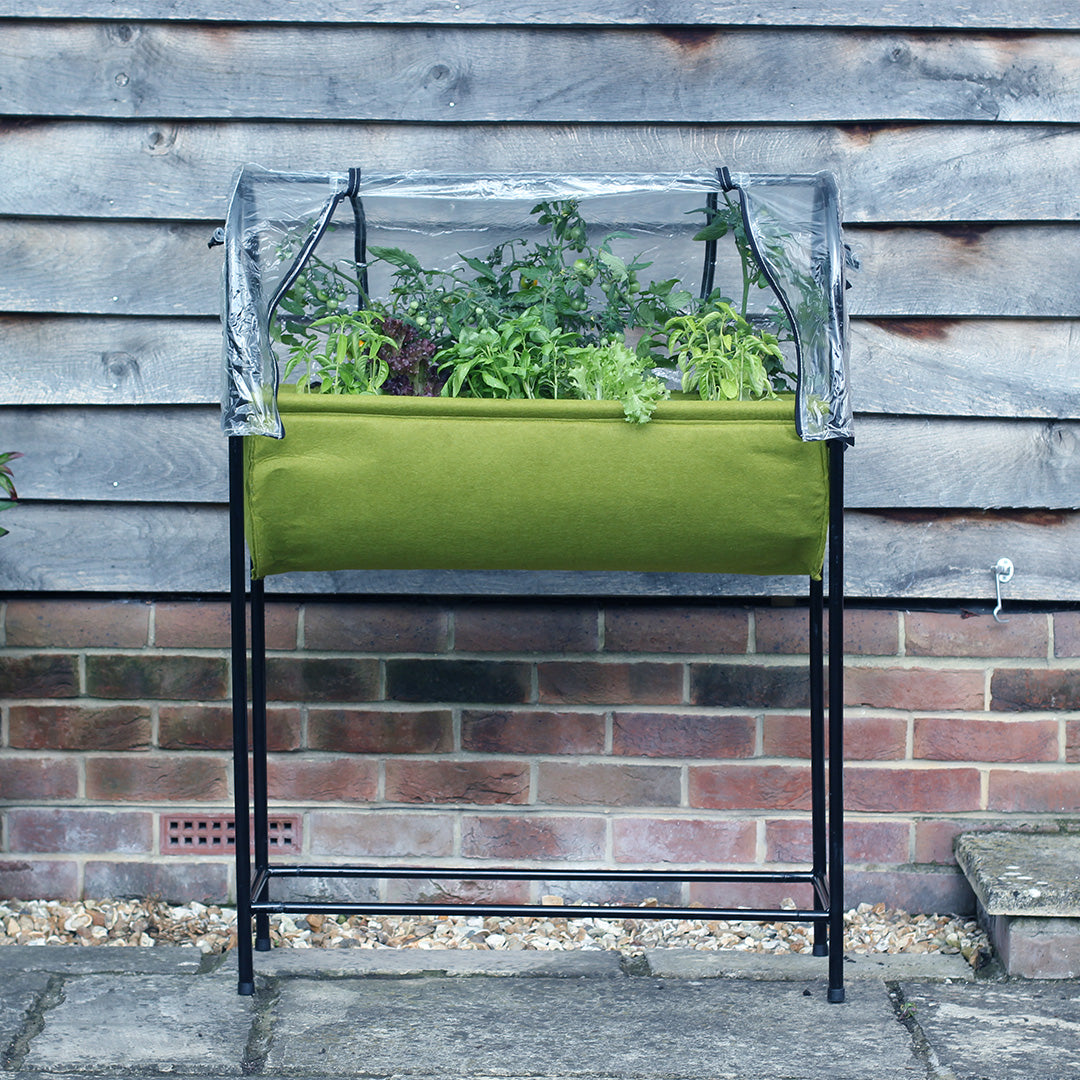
point(68, 1012)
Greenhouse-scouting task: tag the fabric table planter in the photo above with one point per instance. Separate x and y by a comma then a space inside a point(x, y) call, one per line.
point(373, 482)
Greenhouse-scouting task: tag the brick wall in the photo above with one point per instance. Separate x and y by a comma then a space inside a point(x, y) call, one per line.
point(622, 733)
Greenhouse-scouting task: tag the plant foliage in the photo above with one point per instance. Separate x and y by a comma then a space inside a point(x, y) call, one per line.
point(563, 317)
point(7, 483)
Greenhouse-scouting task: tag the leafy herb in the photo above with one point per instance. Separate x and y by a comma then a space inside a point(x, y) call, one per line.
point(722, 356)
point(7, 483)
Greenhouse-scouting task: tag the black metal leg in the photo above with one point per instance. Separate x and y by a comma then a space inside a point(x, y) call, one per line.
point(817, 757)
point(238, 615)
point(258, 753)
point(836, 720)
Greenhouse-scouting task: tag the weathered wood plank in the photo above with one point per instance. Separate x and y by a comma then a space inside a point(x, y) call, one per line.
point(121, 69)
point(133, 268)
point(1034, 14)
point(887, 173)
point(119, 454)
point(179, 455)
point(990, 367)
point(975, 367)
point(106, 361)
point(162, 549)
point(1027, 271)
point(912, 462)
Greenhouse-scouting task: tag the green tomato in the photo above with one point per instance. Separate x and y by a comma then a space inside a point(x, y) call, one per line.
point(584, 269)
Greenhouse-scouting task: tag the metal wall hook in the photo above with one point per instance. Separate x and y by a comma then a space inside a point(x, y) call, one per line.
point(1003, 572)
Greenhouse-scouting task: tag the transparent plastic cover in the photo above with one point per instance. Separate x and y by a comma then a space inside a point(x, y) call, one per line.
point(694, 235)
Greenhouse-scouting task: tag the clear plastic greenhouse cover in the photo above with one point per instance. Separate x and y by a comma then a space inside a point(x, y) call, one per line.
point(280, 224)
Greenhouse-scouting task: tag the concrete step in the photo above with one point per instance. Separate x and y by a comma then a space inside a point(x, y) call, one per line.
point(1028, 891)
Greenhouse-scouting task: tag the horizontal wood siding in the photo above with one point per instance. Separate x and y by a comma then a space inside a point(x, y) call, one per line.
point(956, 148)
point(1034, 14)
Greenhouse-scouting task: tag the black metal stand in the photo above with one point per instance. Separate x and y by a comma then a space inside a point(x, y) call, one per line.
point(254, 876)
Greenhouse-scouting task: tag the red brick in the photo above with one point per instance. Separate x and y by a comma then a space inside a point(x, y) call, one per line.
point(364, 731)
point(462, 891)
point(70, 831)
point(498, 682)
point(1067, 633)
point(293, 779)
point(521, 732)
point(750, 787)
point(675, 628)
point(748, 686)
point(175, 882)
point(597, 683)
point(380, 834)
point(934, 839)
point(937, 633)
point(313, 678)
point(480, 782)
point(919, 889)
point(524, 837)
point(78, 623)
point(943, 738)
point(34, 879)
point(209, 727)
point(684, 840)
point(526, 628)
point(127, 675)
point(572, 784)
point(789, 841)
point(39, 676)
point(1053, 791)
point(628, 893)
point(30, 779)
point(198, 624)
point(157, 778)
point(750, 894)
point(73, 727)
point(911, 790)
point(1013, 689)
point(390, 626)
point(1072, 740)
point(866, 738)
point(683, 735)
point(867, 632)
point(913, 688)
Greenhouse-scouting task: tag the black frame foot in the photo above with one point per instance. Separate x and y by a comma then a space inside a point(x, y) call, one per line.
point(245, 989)
point(836, 995)
point(821, 950)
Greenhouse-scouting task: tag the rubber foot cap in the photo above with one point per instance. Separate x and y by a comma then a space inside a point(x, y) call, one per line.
point(836, 996)
point(263, 945)
point(821, 950)
point(246, 989)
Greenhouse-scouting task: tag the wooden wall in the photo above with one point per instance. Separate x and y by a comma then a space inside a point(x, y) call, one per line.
point(957, 150)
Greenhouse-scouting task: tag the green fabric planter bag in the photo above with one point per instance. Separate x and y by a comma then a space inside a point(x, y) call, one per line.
point(374, 482)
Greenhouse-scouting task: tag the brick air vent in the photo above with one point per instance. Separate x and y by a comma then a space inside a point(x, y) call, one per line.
point(215, 834)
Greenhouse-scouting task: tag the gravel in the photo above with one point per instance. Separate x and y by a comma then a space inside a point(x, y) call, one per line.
point(145, 923)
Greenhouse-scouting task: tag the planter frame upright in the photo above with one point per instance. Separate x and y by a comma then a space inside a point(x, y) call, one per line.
point(256, 875)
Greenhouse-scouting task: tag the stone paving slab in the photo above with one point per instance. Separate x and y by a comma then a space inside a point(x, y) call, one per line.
point(704, 964)
point(381, 962)
point(19, 991)
point(1023, 873)
point(1003, 1031)
point(162, 1023)
point(120, 959)
point(633, 1027)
